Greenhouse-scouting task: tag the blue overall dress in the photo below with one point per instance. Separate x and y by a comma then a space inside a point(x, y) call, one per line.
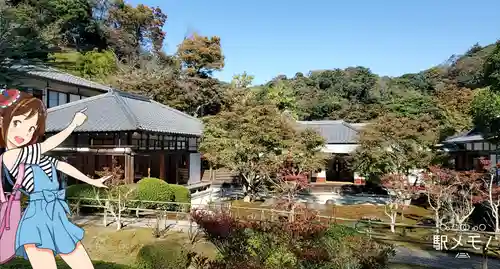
point(45, 222)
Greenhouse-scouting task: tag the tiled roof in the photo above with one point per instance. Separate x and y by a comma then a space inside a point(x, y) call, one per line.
point(336, 131)
point(120, 111)
point(60, 76)
point(469, 136)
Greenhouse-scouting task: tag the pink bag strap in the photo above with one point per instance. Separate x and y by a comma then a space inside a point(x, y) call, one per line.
point(2, 194)
point(5, 222)
point(17, 184)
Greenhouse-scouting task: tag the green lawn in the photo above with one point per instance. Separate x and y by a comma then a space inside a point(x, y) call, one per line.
point(411, 216)
point(111, 249)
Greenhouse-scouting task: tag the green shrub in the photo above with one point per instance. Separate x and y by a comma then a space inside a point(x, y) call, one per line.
point(302, 243)
point(83, 191)
point(351, 249)
point(90, 192)
point(181, 195)
point(154, 189)
point(80, 191)
point(338, 232)
point(129, 191)
point(163, 255)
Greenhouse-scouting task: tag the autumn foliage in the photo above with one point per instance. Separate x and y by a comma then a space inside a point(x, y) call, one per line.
point(303, 242)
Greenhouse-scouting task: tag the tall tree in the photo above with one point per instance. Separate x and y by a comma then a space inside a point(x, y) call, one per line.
point(243, 80)
point(201, 55)
point(149, 78)
point(22, 40)
point(393, 144)
point(165, 84)
point(254, 140)
point(133, 30)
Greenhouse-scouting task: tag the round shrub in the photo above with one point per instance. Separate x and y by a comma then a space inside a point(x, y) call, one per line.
point(181, 195)
point(163, 255)
point(80, 191)
point(154, 189)
point(86, 191)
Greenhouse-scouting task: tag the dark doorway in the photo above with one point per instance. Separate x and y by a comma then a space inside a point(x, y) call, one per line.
point(339, 169)
point(171, 167)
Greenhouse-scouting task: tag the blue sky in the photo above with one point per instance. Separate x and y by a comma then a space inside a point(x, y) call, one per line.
point(268, 38)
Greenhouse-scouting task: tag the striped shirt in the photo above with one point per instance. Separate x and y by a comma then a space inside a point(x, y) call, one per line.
point(31, 154)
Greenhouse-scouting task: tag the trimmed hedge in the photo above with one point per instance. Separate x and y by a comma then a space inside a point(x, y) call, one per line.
point(181, 193)
point(147, 189)
point(153, 189)
point(163, 255)
point(90, 192)
point(82, 191)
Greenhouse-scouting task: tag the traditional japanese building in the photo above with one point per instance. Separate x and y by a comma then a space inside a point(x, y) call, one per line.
point(341, 141)
point(146, 138)
point(467, 148)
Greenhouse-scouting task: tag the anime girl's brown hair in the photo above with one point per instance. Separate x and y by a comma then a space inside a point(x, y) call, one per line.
point(24, 105)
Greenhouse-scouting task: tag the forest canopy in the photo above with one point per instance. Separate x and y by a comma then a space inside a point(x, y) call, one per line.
point(116, 43)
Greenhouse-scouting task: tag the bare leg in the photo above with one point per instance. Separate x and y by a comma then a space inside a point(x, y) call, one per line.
point(78, 259)
point(40, 258)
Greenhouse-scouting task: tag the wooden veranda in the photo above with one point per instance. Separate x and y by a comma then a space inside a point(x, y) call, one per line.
point(140, 154)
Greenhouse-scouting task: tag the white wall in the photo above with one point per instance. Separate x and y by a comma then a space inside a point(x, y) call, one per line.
point(194, 168)
point(339, 148)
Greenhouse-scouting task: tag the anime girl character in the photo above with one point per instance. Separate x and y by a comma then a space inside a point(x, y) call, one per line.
point(44, 230)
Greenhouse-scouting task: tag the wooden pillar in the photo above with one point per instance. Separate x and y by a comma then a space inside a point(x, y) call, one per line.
point(91, 163)
point(126, 169)
point(129, 169)
point(162, 166)
point(109, 161)
point(176, 164)
point(132, 168)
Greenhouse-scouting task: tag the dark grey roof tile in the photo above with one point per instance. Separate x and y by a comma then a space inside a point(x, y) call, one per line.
point(60, 76)
point(120, 111)
point(334, 131)
point(468, 136)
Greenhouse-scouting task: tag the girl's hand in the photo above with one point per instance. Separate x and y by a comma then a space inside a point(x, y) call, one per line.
point(79, 118)
point(100, 182)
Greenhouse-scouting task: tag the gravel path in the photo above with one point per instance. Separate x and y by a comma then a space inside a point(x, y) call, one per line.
point(437, 259)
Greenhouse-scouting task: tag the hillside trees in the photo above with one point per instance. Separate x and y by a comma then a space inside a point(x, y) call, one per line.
point(118, 43)
point(132, 30)
point(71, 21)
point(24, 39)
point(491, 70)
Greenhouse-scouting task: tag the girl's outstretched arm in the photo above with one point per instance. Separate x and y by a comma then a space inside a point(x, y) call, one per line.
point(71, 171)
point(57, 139)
